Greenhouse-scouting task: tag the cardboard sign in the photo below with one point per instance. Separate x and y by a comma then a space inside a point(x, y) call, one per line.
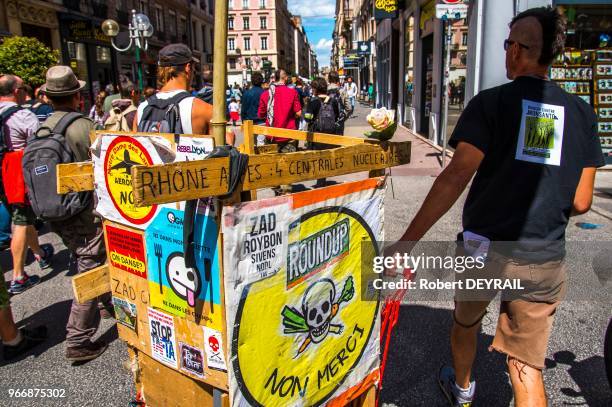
point(310, 331)
point(175, 288)
point(163, 337)
point(191, 148)
point(126, 250)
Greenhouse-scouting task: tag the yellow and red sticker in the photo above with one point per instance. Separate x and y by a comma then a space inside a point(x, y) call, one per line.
point(124, 153)
point(126, 250)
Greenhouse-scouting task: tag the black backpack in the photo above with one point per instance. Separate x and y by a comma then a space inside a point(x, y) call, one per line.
point(40, 159)
point(335, 94)
point(4, 116)
point(327, 119)
point(162, 115)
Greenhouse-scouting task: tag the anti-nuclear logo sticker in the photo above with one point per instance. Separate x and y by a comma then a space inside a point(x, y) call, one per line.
point(122, 154)
point(301, 332)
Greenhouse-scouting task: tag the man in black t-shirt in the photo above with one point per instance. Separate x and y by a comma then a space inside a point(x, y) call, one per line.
point(534, 151)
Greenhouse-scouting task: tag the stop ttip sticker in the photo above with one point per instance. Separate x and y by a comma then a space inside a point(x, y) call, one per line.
point(123, 153)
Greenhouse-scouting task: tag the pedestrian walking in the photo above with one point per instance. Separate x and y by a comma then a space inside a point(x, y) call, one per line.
point(524, 193)
point(82, 232)
point(173, 109)
point(250, 103)
point(112, 92)
point(350, 88)
point(280, 107)
point(16, 341)
point(96, 113)
point(234, 111)
point(18, 125)
point(38, 104)
point(334, 90)
point(323, 115)
point(121, 116)
point(206, 92)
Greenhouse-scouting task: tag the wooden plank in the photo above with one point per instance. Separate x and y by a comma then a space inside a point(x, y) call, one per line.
point(316, 137)
point(75, 177)
point(165, 387)
point(182, 181)
point(196, 179)
point(91, 284)
point(269, 170)
point(249, 148)
point(267, 149)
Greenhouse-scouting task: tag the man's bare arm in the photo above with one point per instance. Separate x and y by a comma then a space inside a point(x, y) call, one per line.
point(201, 115)
point(584, 192)
point(445, 191)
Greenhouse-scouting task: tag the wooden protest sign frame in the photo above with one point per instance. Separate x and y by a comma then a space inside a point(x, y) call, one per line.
point(180, 181)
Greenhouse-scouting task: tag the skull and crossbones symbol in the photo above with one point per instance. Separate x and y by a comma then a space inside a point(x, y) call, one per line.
point(319, 308)
point(213, 342)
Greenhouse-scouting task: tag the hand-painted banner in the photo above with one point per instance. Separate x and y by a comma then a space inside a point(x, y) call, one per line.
point(175, 288)
point(306, 330)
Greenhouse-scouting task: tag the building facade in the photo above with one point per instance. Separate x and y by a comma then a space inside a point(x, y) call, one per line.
point(355, 30)
point(73, 28)
point(263, 35)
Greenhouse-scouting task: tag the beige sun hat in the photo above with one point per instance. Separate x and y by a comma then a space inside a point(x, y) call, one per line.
point(61, 81)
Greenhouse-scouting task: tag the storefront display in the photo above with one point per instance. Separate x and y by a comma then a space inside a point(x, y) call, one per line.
point(603, 100)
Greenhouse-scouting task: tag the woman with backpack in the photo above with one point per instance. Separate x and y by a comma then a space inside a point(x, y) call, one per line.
point(322, 115)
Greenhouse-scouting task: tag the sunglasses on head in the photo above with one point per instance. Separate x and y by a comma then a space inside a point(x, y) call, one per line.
point(508, 43)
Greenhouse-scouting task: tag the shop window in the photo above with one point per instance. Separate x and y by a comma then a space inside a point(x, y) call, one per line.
point(103, 55)
point(408, 70)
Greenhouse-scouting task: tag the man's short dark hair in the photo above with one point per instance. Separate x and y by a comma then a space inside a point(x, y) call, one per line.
point(257, 78)
point(553, 31)
point(333, 77)
point(126, 87)
point(8, 84)
point(319, 85)
point(58, 101)
point(29, 91)
point(278, 74)
point(207, 75)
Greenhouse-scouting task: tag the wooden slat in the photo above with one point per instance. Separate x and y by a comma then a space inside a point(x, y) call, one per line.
point(263, 171)
point(91, 284)
point(267, 149)
point(316, 137)
point(180, 181)
point(75, 177)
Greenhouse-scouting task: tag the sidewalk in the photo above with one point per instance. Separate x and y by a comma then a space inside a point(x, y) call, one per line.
point(425, 159)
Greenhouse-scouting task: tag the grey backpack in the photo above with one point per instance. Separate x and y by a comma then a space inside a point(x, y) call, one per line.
point(40, 159)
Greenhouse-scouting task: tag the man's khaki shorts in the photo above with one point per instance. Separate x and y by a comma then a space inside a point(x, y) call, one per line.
point(526, 315)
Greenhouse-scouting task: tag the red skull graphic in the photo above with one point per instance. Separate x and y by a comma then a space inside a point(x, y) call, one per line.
point(213, 342)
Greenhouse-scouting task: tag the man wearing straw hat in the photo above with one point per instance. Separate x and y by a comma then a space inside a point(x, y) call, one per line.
point(82, 234)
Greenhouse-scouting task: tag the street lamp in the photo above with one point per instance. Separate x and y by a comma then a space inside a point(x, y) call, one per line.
point(139, 30)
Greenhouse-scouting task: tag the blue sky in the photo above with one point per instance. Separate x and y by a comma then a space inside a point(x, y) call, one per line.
point(318, 18)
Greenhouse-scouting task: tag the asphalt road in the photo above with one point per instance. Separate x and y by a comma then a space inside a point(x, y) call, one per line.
point(575, 369)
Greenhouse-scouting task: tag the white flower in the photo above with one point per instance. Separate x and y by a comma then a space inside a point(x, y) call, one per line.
point(381, 118)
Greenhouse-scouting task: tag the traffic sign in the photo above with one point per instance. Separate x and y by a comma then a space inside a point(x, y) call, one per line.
point(451, 11)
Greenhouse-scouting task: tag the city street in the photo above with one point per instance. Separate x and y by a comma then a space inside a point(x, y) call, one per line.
point(575, 373)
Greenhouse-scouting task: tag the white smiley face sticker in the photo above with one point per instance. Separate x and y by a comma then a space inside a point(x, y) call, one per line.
point(185, 282)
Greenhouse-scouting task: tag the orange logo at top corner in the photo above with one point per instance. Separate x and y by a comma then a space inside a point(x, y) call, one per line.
point(123, 153)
